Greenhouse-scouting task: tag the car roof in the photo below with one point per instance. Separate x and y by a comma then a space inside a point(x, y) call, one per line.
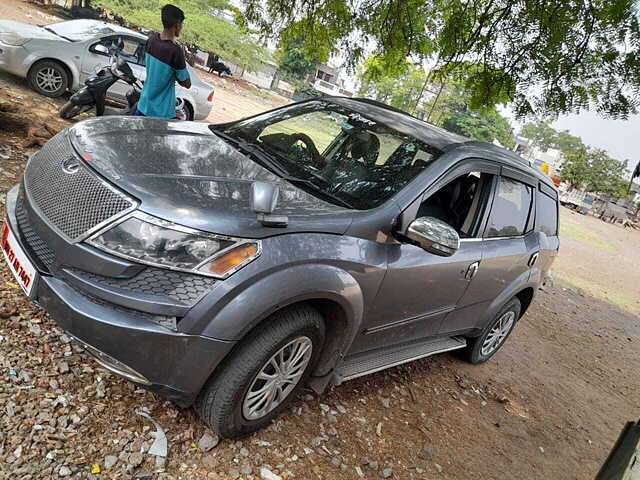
point(435, 136)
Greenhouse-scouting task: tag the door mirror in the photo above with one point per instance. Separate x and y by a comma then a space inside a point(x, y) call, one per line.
point(100, 48)
point(435, 236)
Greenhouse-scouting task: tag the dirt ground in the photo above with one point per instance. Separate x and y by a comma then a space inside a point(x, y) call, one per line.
point(548, 406)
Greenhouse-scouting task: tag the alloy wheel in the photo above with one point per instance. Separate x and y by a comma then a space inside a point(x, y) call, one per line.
point(498, 333)
point(277, 378)
point(49, 80)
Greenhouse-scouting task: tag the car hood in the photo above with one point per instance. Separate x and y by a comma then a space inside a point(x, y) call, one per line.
point(27, 30)
point(182, 172)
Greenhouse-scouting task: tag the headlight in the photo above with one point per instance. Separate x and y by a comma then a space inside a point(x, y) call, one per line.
point(9, 38)
point(152, 241)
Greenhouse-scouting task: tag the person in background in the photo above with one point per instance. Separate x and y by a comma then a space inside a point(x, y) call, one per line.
point(165, 63)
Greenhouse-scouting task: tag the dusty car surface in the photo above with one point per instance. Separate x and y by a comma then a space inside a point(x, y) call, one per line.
point(228, 265)
point(61, 56)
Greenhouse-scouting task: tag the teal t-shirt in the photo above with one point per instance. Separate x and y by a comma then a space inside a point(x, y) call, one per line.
point(165, 62)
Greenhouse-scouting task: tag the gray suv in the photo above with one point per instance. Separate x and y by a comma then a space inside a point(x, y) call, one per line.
point(228, 265)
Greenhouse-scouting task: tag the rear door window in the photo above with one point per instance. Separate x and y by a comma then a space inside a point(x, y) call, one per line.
point(546, 215)
point(510, 210)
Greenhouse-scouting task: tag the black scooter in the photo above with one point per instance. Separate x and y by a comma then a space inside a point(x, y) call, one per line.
point(94, 93)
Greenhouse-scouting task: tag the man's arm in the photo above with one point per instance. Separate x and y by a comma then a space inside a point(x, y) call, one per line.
point(182, 74)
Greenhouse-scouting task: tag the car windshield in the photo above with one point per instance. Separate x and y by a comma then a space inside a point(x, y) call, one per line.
point(79, 30)
point(340, 154)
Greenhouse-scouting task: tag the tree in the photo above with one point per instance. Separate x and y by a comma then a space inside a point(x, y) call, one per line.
point(485, 125)
point(403, 90)
point(224, 38)
point(294, 61)
point(545, 137)
point(547, 56)
point(593, 170)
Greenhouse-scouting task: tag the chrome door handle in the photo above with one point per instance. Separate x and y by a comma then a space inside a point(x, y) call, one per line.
point(472, 270)
point(533, 259)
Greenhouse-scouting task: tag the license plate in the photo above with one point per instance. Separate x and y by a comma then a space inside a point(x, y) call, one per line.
point(18, 262)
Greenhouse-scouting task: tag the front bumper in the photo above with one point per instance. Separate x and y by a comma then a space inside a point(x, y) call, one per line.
point(13, 59)
point(126, 341)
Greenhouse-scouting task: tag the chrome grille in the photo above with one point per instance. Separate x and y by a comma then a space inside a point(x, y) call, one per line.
point(75, 203)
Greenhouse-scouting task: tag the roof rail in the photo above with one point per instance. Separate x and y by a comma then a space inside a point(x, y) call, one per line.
point(377, 103)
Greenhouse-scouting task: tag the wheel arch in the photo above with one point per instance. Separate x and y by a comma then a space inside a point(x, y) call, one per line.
point(74, 76)
point(526, 297)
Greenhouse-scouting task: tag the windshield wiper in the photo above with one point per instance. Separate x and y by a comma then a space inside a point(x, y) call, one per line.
point(317, 188)
point(267, 160)
point(254, 151)
point(51, 30)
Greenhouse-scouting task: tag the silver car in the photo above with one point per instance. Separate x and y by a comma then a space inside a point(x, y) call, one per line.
point(59, 57)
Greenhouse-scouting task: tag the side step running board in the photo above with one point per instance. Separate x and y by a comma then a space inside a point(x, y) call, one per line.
point(373, 361)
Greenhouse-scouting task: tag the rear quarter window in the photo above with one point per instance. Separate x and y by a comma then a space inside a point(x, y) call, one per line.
point(546, 215)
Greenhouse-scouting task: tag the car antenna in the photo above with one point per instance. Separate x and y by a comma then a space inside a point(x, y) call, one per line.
point(264, 198)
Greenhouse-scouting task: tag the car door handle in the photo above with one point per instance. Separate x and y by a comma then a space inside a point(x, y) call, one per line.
point(533, 259)
point(472, 270)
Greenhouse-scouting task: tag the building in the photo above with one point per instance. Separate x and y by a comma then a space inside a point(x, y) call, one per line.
point(538, 157)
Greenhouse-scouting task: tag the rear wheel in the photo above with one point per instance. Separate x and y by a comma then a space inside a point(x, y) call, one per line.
point(48, 78)
point(482, 348)
point(264, 374)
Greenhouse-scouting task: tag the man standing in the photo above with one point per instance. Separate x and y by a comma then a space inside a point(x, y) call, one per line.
point(165, 63)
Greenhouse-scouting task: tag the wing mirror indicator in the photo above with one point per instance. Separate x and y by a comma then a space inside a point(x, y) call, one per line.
point(434, 236)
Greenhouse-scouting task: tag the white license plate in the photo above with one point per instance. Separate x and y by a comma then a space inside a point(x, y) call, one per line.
point(18, 262)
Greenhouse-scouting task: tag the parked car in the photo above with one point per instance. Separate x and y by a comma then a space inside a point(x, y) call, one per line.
point(228, 265)
point(61, 56)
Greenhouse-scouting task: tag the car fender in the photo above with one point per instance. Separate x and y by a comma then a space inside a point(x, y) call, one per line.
point(249, 307)
point(34, 57)
point(522, 282)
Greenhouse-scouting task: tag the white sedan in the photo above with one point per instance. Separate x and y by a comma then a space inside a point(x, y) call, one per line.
point(61, 56)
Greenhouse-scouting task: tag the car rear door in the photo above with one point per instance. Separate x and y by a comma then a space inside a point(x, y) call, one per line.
point(510, 247)
point(546, 223)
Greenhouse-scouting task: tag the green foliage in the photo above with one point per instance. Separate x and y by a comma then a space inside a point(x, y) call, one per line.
point(545, 137)
point(593, 170)
point(485, 125)
point(402, 89)
point(225, 39)
point(295, 62)
point(546, 56)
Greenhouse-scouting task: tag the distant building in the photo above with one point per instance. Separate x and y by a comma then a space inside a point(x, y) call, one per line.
point(551, 157)
point(329, 77)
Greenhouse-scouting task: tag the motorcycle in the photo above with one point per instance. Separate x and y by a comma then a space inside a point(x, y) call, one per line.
point(94, 93)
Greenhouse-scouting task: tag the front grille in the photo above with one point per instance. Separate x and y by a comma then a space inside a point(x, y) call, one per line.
point(74, 203)
point(183, 287)
point(37, 247)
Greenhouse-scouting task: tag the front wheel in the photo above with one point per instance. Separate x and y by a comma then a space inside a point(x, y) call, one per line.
point(482, 348)
point(266, 371)
point(70, 110)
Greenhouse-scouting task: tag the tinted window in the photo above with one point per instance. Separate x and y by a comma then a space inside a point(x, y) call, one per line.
point(510, 209)
point(547, 215)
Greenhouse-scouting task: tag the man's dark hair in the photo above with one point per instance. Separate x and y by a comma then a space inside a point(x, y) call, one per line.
point(171, 16)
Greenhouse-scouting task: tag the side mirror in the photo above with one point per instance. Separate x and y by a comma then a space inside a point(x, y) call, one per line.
point(100, 48)
point(264, 198)
point(435, 236)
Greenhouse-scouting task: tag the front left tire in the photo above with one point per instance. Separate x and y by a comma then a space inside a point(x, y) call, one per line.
point(264, 373)
point(49, 78)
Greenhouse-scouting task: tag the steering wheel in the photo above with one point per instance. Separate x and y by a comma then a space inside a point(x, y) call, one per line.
point(310, 147)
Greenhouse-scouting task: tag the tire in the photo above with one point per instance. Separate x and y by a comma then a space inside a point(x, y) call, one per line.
point(48, 78)
point(70, 110)
point(474, 352)
point(224, 402)
point(188, 109)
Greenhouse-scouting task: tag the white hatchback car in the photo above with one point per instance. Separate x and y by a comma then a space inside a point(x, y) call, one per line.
point(59, 57)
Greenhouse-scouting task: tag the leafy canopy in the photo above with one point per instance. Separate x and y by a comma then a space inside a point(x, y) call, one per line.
point(593, 170)
point(545, 137)
point(546, 56)
point(228, 40)
point(295, 62)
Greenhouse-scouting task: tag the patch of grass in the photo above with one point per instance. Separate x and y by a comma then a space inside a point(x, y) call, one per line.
point(571, 229)
point(594, 289)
